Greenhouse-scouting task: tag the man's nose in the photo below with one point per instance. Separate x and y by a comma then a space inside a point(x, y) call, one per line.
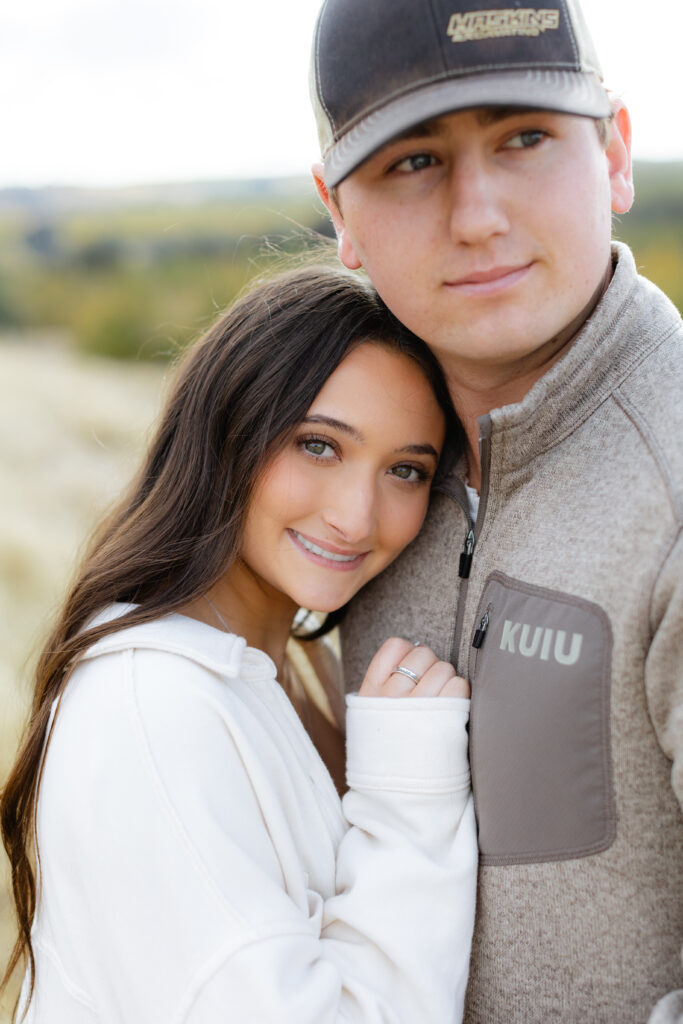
point(351, 509)
point(477, 209)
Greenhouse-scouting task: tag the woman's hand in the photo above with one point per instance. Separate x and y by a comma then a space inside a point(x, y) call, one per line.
point(434, 678)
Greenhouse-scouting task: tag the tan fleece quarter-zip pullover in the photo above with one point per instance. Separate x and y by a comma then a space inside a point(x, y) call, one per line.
point(570, 629)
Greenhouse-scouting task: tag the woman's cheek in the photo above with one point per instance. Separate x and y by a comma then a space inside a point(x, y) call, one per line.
point(288, 486)
point(420, 512)
point(407, 521)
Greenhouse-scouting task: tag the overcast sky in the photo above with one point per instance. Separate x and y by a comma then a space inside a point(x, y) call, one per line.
point(112, 92)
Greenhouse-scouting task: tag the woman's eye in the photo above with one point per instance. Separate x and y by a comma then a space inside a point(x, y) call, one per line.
point(321, 449)
point(525, 140)
point(410, 473)
point(416, 162)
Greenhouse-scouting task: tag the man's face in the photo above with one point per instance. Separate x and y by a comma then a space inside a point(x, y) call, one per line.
point(487, 232)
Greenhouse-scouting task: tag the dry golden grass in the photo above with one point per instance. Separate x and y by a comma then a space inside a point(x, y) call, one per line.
point(71, 431)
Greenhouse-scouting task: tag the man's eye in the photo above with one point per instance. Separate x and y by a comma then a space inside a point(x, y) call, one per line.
point(416, 162)
point(525, 140)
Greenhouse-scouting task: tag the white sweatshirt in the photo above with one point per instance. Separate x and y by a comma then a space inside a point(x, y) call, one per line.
point(197, 865)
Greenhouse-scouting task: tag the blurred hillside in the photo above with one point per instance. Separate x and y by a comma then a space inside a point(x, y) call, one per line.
point(654, 226)
point(137, 272)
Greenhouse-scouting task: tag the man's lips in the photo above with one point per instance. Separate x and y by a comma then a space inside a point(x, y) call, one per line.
point(484, 282)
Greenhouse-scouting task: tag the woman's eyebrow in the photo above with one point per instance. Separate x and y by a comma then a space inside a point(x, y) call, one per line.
point(418, 449)
point(345, 428)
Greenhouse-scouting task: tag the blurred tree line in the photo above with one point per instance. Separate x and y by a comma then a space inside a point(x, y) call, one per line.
point(137, 273)
point(654, 226)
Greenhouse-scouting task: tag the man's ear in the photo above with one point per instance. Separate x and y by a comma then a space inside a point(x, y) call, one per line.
point(618, 154)
point(347, 253)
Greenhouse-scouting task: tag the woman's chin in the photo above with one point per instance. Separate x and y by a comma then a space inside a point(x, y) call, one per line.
point(324, 607)
point(321, 602)
point(328, 595)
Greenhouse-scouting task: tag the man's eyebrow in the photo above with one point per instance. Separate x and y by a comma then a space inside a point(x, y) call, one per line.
point(423, 130)
point(418, 449)
point(491, 115)
point(329, 421)
point(484, 115)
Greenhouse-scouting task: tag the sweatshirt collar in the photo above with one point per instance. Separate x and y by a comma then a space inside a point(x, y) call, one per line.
point(216, 650)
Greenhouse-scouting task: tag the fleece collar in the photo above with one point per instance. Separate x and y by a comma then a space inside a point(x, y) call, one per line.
point(631, 320)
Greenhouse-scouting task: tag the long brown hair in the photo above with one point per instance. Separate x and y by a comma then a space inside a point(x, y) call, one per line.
point(238, 395)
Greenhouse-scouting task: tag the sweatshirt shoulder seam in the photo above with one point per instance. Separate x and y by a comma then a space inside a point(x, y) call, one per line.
point(70, 986)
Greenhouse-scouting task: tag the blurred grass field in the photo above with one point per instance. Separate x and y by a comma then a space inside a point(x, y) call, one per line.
point(71, 431)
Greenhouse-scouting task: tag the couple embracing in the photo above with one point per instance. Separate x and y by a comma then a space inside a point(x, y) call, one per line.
point(493, 517)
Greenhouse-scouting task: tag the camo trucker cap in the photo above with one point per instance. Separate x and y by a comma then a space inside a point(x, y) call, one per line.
point(380, 67)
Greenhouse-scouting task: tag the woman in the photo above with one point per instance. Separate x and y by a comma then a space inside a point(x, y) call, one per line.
point(196, 863)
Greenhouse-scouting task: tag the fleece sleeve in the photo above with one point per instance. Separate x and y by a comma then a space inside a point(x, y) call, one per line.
point(664, 684)
point(179, 908)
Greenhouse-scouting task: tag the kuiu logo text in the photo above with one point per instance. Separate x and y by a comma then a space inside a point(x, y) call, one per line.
point(541, 642)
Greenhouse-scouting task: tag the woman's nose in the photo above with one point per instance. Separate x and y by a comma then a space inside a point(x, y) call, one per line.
point(350, 511)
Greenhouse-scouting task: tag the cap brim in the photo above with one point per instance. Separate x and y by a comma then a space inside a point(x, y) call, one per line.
point(568, 92)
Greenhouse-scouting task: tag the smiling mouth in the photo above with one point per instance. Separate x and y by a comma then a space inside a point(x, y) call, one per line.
point(336, 559)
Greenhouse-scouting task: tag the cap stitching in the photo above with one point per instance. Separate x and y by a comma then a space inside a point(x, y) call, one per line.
point(435, 25)
point(321, 96)
point(570, 29)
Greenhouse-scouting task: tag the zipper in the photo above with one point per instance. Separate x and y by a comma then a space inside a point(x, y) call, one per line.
point(483, 618)
point(466, 555)
point(474, 531)
point(480, 631)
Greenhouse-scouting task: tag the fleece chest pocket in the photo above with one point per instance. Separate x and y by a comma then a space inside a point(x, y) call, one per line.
point(540, 726)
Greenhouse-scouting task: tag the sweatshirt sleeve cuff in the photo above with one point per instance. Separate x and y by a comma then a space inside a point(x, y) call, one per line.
point(408, 744)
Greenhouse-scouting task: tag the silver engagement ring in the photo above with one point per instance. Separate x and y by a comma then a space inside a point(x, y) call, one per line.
point(401, 670)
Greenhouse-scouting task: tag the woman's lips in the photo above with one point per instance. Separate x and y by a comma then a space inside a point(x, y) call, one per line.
point(488, 282)
point(326, 555)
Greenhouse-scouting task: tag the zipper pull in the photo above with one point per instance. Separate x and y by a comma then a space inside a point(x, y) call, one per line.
point(480, 633)
point(466, 556)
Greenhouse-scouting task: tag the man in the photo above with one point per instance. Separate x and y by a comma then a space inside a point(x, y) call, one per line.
point(471, 159)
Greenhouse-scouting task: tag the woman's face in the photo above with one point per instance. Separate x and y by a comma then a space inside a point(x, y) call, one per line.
point(350, 490)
